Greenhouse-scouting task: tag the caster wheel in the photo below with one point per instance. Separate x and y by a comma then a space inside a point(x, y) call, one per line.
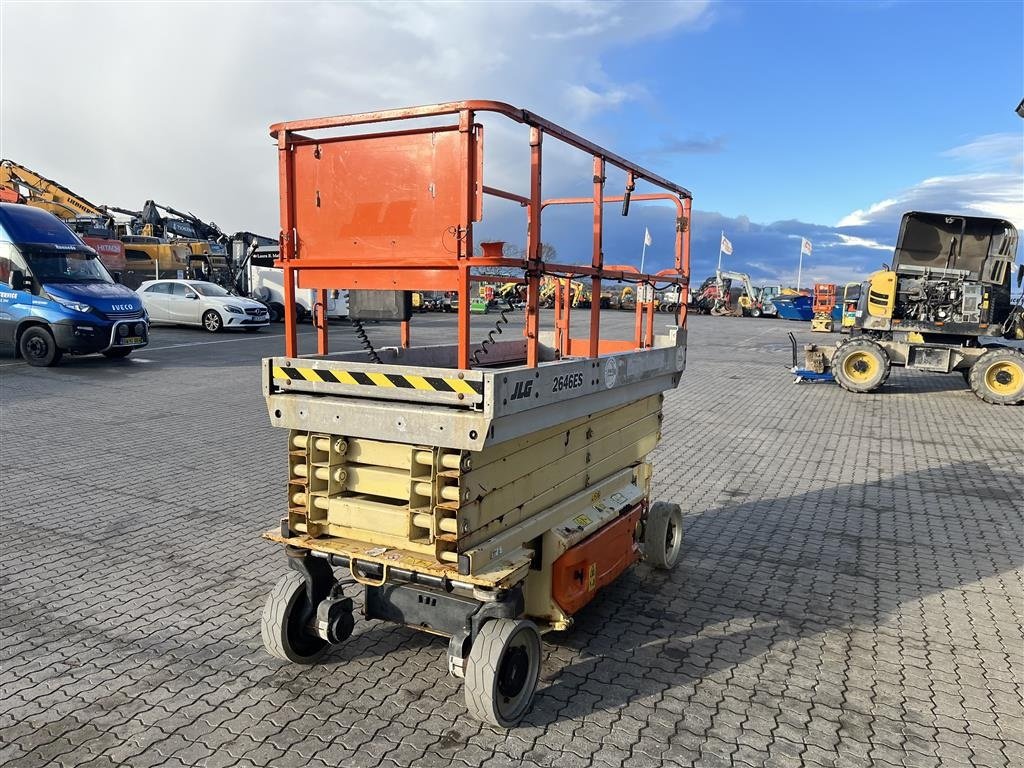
point(502, 671)
point(288, 623)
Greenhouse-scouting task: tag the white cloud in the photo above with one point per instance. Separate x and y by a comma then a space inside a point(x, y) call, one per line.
point(994, 150)
point(859, 217)
point(175, 104)
point(859, 242)
point(999, 195)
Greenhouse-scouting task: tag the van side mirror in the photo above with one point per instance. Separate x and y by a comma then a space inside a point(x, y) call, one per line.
point(17, 280)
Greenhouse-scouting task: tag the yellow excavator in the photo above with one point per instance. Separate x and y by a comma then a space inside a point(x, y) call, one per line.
point(549, 286)
point(206, 243)
point(129, 257)
point(19, 184)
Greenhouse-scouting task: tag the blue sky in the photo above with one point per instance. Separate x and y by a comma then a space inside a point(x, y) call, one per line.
point(824, 120)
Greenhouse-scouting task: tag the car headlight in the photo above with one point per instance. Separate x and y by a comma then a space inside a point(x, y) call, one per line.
point(77, 306)
point(236, 310)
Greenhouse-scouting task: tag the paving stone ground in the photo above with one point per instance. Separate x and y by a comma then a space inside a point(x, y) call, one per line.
point(850, 594)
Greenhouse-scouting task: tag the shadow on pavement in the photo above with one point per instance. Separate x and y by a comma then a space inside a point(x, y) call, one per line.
point(759, 572)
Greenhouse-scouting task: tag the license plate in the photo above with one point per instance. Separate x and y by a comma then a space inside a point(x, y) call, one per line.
point(132, 340)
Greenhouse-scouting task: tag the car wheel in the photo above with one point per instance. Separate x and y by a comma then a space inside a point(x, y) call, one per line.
point(212, 321)
point(38, 348)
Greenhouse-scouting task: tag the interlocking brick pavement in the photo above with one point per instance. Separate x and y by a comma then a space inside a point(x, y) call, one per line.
point(850, 594)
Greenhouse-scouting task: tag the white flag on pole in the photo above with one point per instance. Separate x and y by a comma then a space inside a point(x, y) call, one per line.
point(805, 246)
point(726, 246)
point(647, 236)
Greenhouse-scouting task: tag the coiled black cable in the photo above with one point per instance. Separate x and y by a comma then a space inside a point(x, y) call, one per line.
point(365, 341)
point(503, 320)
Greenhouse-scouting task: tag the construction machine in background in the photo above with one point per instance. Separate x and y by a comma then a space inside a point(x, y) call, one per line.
point(206, 243)
point(851, 297)
point(823, 303)
point(944, 305)
point(580, 296)
point(19, 184)
point(765, 296)
point(719, 296)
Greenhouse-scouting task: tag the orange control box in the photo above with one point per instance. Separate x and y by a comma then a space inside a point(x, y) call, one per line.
point(594, 562)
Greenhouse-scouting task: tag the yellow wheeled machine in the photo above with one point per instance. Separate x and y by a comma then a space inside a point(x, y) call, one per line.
point(484, 492)
point(945, 305)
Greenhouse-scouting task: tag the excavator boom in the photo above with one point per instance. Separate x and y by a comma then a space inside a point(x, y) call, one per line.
point(43, 191)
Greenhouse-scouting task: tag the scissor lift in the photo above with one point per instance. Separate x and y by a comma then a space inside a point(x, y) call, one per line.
point(484, 493)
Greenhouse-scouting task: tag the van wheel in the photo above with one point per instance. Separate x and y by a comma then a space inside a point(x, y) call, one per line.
point(276, 312)
point(38, 347)
point(118, 353)
point(212, 321)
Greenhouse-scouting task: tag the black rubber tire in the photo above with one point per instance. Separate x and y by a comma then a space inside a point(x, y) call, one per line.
point(38, 348)
point(276, 312)
point(212, 321)
point(993, 366)
point(663, 535)
point(118, 353)
point(755, 312)
point(502, 671)
point(284, 635)
point(853, 351)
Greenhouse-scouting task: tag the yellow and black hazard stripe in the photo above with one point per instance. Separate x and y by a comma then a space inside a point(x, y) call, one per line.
point(385, 380)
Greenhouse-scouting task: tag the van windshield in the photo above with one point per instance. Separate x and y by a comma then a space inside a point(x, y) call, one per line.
point(66, 266)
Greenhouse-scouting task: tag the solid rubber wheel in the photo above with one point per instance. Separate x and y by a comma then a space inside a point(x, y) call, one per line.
point(118, 353)
point(286, 624)
point(663, 535)
point(755, 312)
point(998, 377)
point(861, 365)
point(502, 671)
point(276, 312)
point(212, 321)
point(38, 347)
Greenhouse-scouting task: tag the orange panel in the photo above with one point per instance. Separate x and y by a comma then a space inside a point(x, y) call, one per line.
point(595, 562)
point(379, 197)
point(581, 347)
point(381, 279)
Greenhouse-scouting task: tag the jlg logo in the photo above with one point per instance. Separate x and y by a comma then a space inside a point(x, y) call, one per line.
point(522, 389)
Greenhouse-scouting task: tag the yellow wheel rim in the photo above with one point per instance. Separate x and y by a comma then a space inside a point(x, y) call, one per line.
point(860, 367)
point(1005, 377)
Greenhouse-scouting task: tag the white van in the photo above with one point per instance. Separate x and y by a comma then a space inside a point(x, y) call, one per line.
point(266, 284)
